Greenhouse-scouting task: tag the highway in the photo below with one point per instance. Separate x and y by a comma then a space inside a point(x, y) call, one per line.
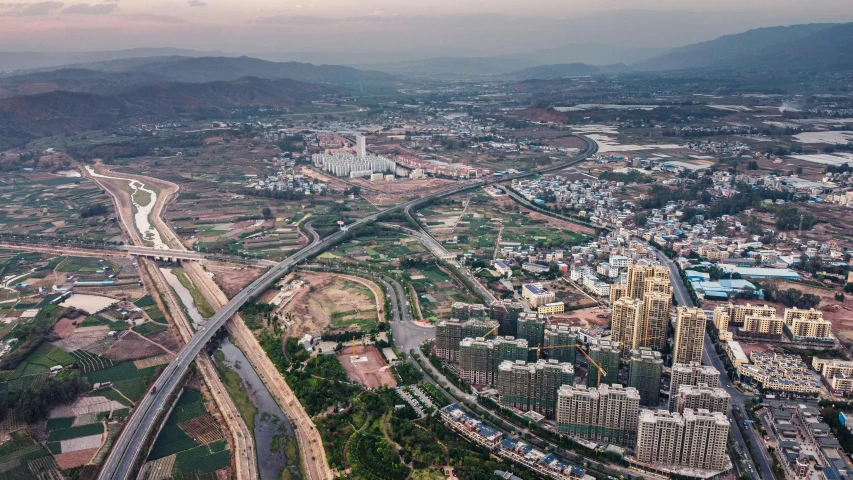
point(127, 451)
point(710, 357)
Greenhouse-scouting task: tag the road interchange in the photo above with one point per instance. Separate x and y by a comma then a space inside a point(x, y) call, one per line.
point(128, 448)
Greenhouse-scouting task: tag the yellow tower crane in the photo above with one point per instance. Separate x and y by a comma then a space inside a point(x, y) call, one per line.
point(594, 363)
point(549, 347)
point(494, 330)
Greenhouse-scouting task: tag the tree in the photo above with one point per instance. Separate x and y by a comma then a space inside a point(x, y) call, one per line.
point(267, 213)
point(752, 165)
point(642, 219)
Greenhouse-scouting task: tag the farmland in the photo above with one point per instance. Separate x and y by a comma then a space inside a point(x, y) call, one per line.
point(35, 204)
point(191, 441)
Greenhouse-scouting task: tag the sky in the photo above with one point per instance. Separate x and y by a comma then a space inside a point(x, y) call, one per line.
point(421, 27)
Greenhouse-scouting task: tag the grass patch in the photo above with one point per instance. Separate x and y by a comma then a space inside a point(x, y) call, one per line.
point(234, 386)
point(111, 394)
point(200, 301)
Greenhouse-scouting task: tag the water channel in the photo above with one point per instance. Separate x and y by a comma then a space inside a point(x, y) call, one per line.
point(274, 436)
point(273, 432)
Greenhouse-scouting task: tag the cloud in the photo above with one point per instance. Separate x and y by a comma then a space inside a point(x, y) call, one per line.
point(153, 18)
point(23, 10)
point(297, 20)
point(197, 3)
point(91, 9)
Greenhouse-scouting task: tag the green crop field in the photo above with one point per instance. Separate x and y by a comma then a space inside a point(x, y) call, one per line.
point(145, 301)
point(132, 388)
point(59, 423)
point(204, 458)
point(171, 440)
point(122, 371)
point(149, 328)
point(75, 432)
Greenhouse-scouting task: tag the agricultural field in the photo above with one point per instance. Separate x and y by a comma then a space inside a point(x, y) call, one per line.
point(476, 223)
point(191, 442)
point(22, 457)
point(63, 205)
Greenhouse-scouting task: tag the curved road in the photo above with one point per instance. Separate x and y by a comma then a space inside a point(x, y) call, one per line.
point(127, 451)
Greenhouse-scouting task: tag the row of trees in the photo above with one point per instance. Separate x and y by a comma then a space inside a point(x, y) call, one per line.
point(790, 297)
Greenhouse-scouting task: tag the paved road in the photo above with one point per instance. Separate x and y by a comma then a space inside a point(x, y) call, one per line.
point(126, 452)
point(710, 357)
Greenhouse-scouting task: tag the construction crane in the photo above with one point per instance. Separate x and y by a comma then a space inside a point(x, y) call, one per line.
point(594, 363)
point(549, 347)
point(494, 330)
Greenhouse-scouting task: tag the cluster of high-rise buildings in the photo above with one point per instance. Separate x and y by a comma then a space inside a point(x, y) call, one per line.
point(502, 349)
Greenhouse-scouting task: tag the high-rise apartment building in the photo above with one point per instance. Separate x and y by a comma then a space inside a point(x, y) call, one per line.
point(713, 399)
point(360, 146)
point(653, 330)
point(465, 311)
point(533, 386)
point(448, 334)
point(479, 358)
point(531, 327)
point(626, 318)
point(506, 313)
point(644, 374)
point(604, 414)
point(689, 335)
point(606, 354)
point(617, 291)
point(566, 338)
point(695, 439)
point(691, 374)
point(644, 279)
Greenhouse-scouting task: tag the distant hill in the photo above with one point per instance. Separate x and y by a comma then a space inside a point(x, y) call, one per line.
point(209, 69)
point(17, 61)
point(30, 116)
point(593, 54)
point(767, 46)
point(547, 72)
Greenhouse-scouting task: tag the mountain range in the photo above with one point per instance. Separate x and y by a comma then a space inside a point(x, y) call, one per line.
point(25, 117)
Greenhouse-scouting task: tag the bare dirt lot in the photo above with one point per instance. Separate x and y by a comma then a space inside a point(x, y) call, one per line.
point(233, 279)
point(508, 203)
point(329, 301)
point(91, 339)
point(75, 459)
point(372, 372)
point(585, 318)
point(132, 346)
point(65, 326)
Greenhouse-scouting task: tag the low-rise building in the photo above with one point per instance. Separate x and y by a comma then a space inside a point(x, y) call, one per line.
point(551, 308)
point(780, 372)
point(536, 294)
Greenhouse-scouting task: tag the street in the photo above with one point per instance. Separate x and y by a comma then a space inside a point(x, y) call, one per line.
point(710, 357)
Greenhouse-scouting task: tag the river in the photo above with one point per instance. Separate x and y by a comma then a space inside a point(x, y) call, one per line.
point(185, 296)
point(142, 213)
point(273, 431)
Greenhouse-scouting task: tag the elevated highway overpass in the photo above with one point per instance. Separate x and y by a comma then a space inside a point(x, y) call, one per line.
point(129, 447)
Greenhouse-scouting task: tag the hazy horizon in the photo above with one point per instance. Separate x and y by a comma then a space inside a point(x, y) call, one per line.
point(441, 27)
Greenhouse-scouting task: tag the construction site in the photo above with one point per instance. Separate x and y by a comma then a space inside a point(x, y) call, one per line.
point(365, 366)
